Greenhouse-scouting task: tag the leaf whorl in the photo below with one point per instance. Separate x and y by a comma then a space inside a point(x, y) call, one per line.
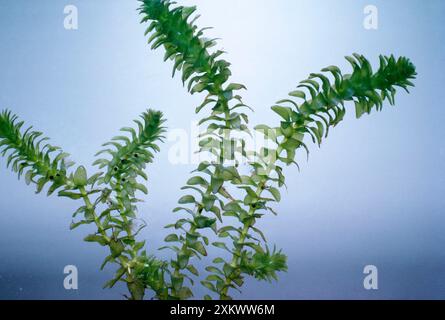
point(173, 29)
point(130, 155)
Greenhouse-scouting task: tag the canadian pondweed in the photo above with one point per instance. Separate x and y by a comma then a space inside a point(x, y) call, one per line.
point(109, 197)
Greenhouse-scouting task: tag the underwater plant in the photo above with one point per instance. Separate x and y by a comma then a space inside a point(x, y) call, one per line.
point(225, 196)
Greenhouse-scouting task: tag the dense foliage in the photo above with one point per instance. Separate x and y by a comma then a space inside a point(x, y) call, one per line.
point(222, 198)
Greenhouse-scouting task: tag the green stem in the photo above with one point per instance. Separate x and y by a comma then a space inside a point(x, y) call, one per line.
point(246, 227)
point(127, 266)
point(223, 100)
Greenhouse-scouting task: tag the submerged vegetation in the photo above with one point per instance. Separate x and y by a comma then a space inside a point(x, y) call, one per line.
point(209, 205)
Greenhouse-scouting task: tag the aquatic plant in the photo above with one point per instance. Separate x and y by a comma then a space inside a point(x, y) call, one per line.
point(219, 190)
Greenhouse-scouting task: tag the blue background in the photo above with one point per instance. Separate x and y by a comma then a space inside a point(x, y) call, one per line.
point(373, 193)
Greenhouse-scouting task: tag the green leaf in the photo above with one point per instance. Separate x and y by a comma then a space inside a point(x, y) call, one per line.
point(221, 245)
point(209, 286)
point(198, 246)
point(213, 269)
point(218, 260)
point(93, 179)
point(217, 212)
point(116, 248)
point(214, 277)
point(197, 181)
point(40, 184)
point(216, 184)
point(228, 270)
point(71, 195)
point(260, 233)
point(206, 102)
point(298, 94)
point(193, 270)
point(235, 86)
point(283, 112)
point(183, 259)
point(204, 222)
point(139, 245)
point(119, 273)
point(275, 193)
point(233, 206)
point(359, 109)
point(141, 187)
point(107, 260)
point(290, 144)
point(171, 238)
point(187, 199)
point(208, 201)
point(96, 238)
point(74, 225)
point(28, 177)
point(199, 87)
point(203, 166)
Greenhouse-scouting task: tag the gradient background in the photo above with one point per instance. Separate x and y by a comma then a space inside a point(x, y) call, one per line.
point(373, 194)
